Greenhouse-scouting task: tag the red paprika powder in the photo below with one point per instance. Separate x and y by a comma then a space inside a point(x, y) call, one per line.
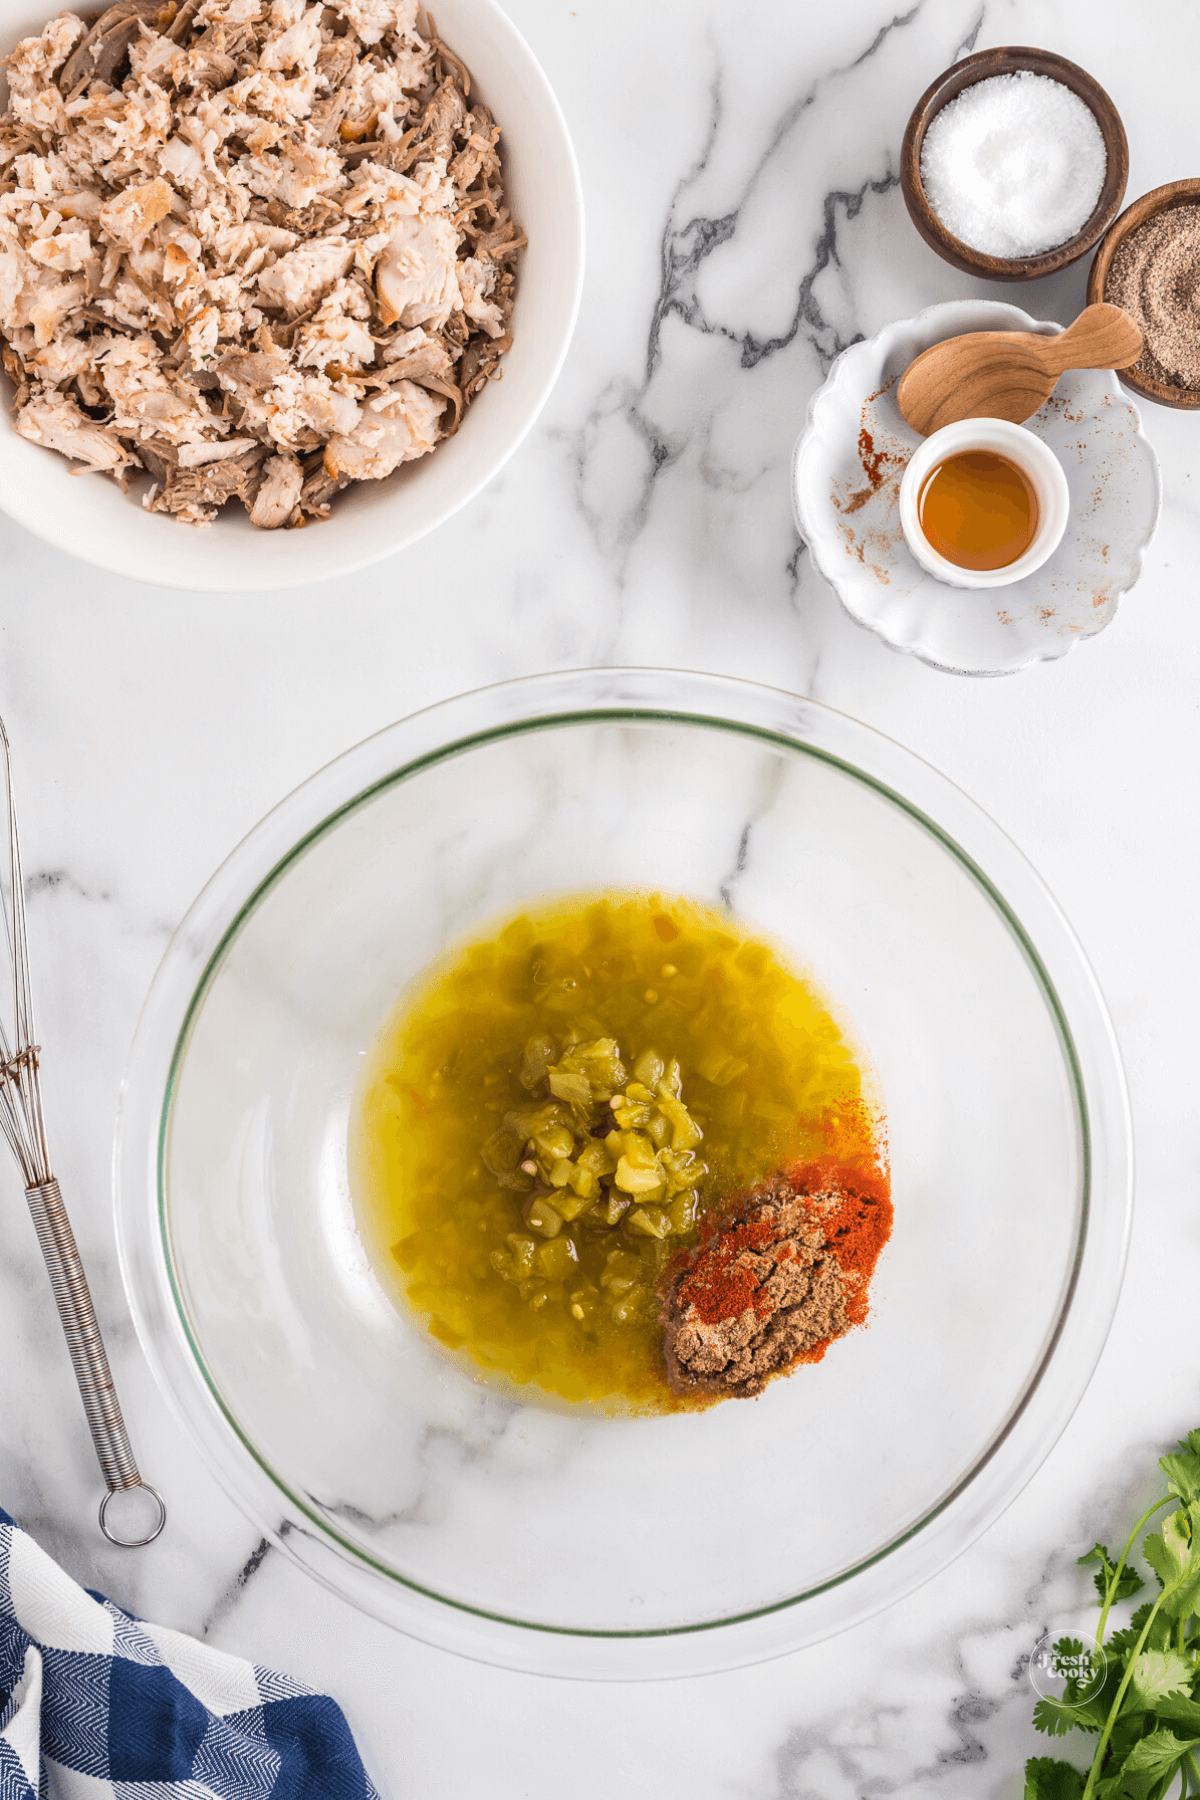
point(828, 1219)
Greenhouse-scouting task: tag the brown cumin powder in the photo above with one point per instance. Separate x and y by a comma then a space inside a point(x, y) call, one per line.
point(775, 1280)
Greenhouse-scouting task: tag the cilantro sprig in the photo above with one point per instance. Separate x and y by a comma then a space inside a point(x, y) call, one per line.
point(1146, 1714)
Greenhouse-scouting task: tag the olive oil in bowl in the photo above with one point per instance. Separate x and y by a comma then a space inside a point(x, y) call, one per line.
point(554, 1108)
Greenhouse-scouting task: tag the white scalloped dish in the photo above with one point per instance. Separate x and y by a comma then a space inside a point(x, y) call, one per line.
point(846, 475)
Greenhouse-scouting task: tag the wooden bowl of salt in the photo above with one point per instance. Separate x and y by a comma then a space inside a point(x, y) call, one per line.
point(1013, 60)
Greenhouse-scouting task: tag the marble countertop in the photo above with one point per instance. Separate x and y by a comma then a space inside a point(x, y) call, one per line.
point(745, 223)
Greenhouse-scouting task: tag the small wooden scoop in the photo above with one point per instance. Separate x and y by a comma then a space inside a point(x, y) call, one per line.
point(1009, 374)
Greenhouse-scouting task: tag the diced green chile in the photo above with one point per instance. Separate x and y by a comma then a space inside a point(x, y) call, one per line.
point(637, 1179)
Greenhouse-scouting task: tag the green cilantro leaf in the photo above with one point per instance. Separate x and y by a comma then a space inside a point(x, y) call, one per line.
point(1167, 1550)
point(1057, 1717)
point(1130, 1582)
point(1169, 1554)
point(1157, 1673)
point(1117, 1647)
point(1180, 1711)
point(1182, 1469)
point(1046, 1779)
point(1153, 1760)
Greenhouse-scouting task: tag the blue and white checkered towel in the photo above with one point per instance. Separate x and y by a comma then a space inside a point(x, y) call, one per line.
point(95, 1705)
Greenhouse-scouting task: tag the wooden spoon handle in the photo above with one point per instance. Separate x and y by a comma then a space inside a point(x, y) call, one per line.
point(1102, 337)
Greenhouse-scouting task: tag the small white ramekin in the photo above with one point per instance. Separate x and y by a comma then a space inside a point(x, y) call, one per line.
point(1038, 462)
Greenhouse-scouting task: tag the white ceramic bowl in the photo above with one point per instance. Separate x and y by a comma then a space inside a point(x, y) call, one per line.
point(88, 515)
point(1035, 459)
point(846, 474)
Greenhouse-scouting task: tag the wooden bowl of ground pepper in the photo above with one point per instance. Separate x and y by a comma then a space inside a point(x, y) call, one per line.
point(1149, 263)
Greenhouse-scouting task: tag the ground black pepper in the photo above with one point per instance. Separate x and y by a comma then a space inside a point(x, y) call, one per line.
point(1155, 276)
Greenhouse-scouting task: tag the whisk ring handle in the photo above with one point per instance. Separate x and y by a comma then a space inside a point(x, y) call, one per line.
point(149, 1536)
point(88, 1358)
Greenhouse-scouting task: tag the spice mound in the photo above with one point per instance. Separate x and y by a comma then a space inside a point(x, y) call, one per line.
point(1155, 276)
point(780, 1276)
point(256, 248)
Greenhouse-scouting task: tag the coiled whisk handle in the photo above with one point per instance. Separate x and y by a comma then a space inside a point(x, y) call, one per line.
point(74, 1301)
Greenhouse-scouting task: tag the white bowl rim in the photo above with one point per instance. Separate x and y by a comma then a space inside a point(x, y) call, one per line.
point(1073, 996)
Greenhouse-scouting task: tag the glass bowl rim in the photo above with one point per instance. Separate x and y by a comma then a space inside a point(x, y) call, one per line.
point(491, 715)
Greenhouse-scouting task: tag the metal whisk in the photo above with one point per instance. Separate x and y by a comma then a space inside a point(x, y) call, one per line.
point(24, 1126)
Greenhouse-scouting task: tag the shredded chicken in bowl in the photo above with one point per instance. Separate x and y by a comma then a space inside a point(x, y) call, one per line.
point(257, 248)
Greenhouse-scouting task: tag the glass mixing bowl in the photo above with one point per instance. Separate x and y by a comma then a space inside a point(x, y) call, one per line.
point(561, 1541)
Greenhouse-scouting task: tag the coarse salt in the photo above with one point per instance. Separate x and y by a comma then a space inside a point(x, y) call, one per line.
point(1014, 165)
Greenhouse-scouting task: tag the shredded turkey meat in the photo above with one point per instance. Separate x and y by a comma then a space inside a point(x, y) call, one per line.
point(257, 248)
